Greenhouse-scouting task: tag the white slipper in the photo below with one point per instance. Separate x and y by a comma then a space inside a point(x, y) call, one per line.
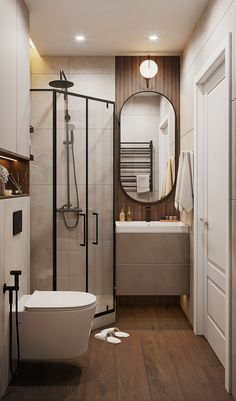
point(107, 337)
point(114, 331)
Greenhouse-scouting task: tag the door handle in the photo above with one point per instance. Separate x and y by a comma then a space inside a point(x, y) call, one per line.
point(204, 220)
point(84, 239)
point(96, 240)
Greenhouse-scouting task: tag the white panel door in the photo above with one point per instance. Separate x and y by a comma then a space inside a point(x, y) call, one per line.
point(215, 209)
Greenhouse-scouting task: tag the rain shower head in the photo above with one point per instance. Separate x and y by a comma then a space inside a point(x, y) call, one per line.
point(61, 83)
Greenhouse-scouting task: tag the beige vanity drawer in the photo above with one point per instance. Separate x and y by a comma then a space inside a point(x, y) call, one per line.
point(152, 248)
point(155, 279)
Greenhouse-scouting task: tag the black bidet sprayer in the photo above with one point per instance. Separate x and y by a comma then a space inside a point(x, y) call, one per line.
point(11, 289)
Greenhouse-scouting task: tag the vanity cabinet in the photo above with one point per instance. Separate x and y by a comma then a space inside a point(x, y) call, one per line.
point(152, 264)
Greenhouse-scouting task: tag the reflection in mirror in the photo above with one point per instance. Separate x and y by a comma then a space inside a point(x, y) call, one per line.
point(147, 147)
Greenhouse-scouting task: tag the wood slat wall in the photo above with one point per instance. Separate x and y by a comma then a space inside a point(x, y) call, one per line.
point(128, 82)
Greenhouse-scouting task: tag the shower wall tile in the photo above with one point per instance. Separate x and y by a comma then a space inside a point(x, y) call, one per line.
point(77, 284)
point(100, 161)
point(41, 265)
point(41, 148)
point(101, 268)
point(81, 195)
point(80, 158)
point(95, 85)
point(48, 64)
point(77, 262)
point(63, 283)
point(62, 235)
point(63, 263)
point(92, 65)
point(41, 212)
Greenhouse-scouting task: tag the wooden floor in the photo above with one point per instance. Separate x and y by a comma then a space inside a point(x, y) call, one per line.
point(162, 360)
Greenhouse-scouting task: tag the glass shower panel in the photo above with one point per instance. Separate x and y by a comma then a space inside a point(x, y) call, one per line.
point(71, 193)
point(100, 203)
point(41, 190)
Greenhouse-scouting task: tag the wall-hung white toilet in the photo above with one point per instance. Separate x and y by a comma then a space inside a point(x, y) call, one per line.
point(55, 324)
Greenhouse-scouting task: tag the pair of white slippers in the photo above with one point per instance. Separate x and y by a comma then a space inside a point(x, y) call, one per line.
point(111, 335)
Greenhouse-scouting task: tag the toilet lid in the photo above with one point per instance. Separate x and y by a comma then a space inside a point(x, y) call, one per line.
point(59, 300)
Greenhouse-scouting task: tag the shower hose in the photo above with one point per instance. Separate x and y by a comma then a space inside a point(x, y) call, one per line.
point(72, 227)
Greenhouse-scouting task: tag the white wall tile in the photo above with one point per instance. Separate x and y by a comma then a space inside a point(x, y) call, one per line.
point(41, 213)
point(92, 65)
point(97, 85)
point(48, 64)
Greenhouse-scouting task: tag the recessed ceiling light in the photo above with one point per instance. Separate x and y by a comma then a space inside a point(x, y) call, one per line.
point(153, 37)
point(80, 38)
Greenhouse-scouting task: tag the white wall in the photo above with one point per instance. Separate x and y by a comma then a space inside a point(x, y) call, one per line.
point(216, 21)
point(14, 72)
point(14, 255)
point(14, 137)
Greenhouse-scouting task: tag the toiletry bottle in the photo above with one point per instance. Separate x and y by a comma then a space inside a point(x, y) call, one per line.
point(129, 216)
point(122, 215)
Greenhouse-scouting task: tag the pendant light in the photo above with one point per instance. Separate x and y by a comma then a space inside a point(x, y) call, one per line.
point(148, 69)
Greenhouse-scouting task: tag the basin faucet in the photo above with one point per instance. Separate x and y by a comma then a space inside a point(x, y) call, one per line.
point(148, 213)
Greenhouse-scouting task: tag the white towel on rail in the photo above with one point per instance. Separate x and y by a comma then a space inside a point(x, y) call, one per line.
point(184, 185)
point(143, 184)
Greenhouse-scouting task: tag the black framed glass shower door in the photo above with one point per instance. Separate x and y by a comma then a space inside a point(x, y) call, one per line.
point(83, 196)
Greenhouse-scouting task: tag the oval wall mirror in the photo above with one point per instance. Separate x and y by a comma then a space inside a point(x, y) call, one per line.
point(147, 146)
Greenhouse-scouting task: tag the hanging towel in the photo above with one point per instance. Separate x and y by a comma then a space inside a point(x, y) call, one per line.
point(142, 183)
point(169, 177)
point(184, 186)
point(172, 163)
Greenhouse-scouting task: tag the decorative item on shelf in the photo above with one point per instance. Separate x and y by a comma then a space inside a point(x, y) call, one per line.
point(148, 69)
point(4, 174)
point(129, 215)
point(17, 182)
point(122, 215)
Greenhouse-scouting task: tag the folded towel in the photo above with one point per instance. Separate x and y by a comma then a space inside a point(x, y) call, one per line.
point(184, 186)
point(143, 184)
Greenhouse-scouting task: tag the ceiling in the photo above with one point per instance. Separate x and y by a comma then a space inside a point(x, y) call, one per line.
point(112, 27)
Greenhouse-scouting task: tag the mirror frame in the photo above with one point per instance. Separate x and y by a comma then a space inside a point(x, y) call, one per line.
point(177, 142)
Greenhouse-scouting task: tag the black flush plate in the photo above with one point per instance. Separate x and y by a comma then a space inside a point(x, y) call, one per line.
point(17, 222)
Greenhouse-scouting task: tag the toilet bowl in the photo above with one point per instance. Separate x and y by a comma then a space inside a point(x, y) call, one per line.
point(55, 324)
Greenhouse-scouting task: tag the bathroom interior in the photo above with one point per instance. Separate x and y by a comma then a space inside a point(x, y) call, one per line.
point(118, 200)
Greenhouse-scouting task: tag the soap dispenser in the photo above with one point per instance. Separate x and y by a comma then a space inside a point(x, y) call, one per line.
point(129, 216)
point(122, 215)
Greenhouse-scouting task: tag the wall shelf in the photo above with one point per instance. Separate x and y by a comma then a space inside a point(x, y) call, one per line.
point(18, 167)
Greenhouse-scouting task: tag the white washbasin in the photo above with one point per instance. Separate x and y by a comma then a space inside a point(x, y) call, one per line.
point(151, 227)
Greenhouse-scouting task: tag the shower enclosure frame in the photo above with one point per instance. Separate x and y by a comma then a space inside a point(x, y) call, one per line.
point(54, 187)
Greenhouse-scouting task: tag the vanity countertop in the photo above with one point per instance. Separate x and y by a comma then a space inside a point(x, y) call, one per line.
point(137, 227)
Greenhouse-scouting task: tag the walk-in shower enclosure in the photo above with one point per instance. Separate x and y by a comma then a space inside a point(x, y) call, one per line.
point(80, 259)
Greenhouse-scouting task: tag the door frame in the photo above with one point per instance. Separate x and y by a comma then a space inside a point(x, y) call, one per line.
point(221, 54)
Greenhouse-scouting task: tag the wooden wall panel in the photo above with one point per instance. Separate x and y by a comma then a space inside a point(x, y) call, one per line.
point(128, 82)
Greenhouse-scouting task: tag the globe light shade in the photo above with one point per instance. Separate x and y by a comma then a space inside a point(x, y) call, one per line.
point(148, 68)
